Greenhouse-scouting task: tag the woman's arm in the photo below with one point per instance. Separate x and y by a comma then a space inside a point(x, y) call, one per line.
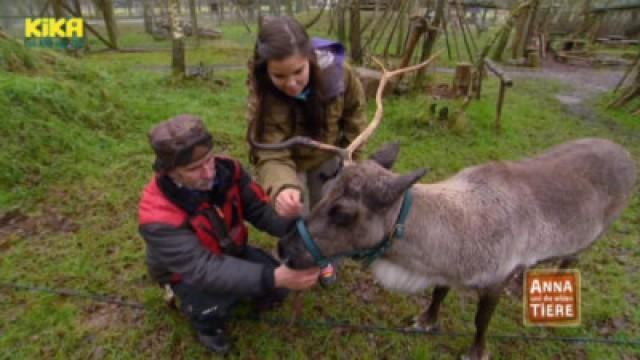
point(276, 169)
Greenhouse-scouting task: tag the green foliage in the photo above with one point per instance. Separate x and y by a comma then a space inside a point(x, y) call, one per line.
point(60, 114)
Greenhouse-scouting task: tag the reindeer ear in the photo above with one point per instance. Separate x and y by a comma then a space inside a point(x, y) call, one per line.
point(386, 155)
point(388, 191)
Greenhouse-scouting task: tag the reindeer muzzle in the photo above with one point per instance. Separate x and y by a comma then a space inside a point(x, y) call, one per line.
point(368, 255)
point(310, 245)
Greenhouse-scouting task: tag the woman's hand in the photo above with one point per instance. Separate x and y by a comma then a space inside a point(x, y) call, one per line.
point(288, 203)
point(295, 279)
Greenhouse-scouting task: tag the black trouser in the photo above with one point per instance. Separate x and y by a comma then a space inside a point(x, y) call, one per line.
point(208, 311)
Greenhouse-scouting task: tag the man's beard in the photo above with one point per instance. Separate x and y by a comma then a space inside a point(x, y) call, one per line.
point(203, 185)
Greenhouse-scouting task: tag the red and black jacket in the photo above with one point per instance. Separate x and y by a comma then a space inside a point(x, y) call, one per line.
point(199, 237)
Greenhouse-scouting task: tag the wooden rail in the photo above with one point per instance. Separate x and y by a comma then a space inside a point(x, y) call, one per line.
point(505, 82)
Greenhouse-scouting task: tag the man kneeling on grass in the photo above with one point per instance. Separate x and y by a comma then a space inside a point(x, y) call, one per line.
point(191, 216)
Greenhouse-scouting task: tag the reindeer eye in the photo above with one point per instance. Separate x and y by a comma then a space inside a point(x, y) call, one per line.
point(342, 215)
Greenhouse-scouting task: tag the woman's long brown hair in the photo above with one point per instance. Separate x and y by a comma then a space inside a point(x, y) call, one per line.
point(279, 38)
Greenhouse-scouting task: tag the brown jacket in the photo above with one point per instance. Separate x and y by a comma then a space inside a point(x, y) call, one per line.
point(346, 118)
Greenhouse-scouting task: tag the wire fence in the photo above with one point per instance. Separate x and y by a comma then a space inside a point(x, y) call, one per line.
point(333, 323)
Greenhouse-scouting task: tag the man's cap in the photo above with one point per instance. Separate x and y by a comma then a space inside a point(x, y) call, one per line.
point(179, 141)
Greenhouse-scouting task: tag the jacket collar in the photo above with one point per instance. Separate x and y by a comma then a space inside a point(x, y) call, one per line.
point(189, 200)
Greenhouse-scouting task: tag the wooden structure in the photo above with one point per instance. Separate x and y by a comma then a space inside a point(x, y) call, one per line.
point(370, 5)
point(629, 85)
point(617, 5)
point(462, 79)
point(505, 82)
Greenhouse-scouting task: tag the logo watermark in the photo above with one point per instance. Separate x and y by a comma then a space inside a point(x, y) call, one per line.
point(552, 298)
point(54, 33)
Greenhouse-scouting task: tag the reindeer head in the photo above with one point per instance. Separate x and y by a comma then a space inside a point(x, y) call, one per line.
point(358, 208)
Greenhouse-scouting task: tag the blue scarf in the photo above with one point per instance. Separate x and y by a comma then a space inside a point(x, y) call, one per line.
point(304, 94)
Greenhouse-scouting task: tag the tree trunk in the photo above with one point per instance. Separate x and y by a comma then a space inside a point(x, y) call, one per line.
point(317, 17)
point(460, 15)
point(221, 4)
point(194, 21)
point(77, 7)
point(332, 20)
point(251, 14)
point(404, 24)
point(587, 19)
point(340, 13)
point(502, 44)
point(379, 30)
point(417, 28)
point(57, 9)
point(106, 7)
point(521, 23)
point(354, 32)
point(147, 13)
point(275, 7)
point(529, 30)
point(163, 6)
point(430, 40)
point(177, 37)
point(288, 7)
point(502, 35)
point(32, 9)
point(94, 9)
point(483, 20)
point(445, 30)
point(394, 27)
point(5, 9)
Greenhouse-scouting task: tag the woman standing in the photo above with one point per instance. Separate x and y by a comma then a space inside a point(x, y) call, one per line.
point(300, 86)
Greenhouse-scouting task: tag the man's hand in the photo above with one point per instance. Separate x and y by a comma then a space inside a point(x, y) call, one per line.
point(288, 203)
point(295, 279)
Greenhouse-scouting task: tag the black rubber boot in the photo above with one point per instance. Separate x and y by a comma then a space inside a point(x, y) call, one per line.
point(271, 300)
point(216, 342)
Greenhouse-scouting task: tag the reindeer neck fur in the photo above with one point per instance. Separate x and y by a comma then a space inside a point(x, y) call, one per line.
point(413, 263)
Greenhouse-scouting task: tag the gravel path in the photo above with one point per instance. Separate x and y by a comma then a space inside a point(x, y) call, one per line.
point(584, 82)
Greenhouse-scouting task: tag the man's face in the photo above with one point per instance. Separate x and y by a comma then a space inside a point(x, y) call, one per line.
point(290, 75)
point(197, 175)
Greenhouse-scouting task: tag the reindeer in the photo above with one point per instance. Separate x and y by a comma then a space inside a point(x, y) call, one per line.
point(473, 231)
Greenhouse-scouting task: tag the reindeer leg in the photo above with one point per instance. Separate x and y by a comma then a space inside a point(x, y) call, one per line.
point(514, 283)
point(486, 306)
point(428, 320)
point(568, 262)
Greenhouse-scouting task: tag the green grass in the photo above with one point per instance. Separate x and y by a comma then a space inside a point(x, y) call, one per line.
point(623, 115)
point(75, 158)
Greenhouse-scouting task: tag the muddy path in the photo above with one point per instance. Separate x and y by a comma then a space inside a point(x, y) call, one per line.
point(583, 84)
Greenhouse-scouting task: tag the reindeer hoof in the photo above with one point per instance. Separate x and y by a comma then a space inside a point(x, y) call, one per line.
point(474, 356)
point(428, 328)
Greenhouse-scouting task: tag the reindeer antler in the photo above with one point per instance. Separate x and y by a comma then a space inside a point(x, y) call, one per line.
point(377, 117)
point(296, 140)
point(345, 153)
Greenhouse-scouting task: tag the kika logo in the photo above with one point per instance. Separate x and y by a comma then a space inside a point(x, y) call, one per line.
point(52, 27)
point(54, 32)
point(552, 298)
